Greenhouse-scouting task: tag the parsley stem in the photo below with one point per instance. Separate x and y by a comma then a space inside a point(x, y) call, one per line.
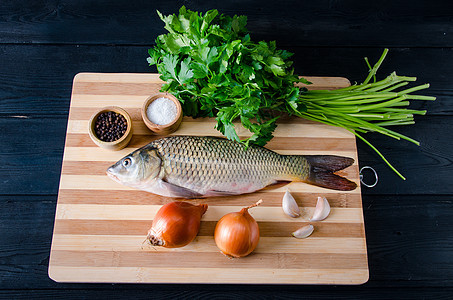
point(369, 106)
point(379, 153)
point(373, 71)
point(355, 132)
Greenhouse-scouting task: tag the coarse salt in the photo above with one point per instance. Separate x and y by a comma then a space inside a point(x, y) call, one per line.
point(162, 111)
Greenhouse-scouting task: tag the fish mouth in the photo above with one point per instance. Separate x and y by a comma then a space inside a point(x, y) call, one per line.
point(110, 174)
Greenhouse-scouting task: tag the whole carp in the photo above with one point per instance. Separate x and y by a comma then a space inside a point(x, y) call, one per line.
point(195, 167)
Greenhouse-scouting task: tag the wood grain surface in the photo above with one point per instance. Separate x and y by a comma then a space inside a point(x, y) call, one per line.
point(100, 225)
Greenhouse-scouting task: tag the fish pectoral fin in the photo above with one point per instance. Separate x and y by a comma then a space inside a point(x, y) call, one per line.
point(179, 191)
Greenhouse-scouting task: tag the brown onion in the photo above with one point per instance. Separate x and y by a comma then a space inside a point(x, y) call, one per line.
point(237, 234)
point(176, 224)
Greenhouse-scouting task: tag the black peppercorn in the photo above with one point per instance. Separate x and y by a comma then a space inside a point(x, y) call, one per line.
point(110, 126)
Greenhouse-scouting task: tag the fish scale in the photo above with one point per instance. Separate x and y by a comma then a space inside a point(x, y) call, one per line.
point(223, 161)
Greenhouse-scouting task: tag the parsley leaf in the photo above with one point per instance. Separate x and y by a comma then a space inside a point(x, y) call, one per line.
point(185, 74)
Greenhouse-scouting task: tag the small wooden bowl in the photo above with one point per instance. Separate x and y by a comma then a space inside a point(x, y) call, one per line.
point(119, 143)
point(167, 128)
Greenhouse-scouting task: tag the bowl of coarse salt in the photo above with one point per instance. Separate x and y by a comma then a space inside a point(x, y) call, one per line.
point(162, 113)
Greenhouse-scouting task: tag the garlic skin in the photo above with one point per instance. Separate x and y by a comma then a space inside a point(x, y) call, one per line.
point(290, 206)
point(303, 232)
point(322, 209)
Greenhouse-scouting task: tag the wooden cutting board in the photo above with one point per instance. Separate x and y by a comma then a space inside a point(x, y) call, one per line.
point(100, 225)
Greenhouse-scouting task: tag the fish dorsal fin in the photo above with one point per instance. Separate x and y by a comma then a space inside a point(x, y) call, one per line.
point(179, 191)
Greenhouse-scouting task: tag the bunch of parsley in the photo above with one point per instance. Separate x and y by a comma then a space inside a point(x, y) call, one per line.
point(210, 63)
point(213, 67)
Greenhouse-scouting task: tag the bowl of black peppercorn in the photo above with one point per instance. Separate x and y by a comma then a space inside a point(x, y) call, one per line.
point(111, 128)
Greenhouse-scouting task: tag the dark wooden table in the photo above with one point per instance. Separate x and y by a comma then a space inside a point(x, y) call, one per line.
point(409, 224)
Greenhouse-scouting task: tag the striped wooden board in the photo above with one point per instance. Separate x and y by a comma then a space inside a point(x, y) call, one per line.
point(100, 225)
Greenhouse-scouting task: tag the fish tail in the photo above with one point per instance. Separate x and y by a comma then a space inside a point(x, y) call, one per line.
point(322, 168)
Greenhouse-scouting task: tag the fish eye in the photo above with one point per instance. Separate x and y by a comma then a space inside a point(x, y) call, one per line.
point(127, 162)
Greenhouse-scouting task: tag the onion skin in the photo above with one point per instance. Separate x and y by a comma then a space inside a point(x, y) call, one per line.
point(237, 234)
point(176, 224)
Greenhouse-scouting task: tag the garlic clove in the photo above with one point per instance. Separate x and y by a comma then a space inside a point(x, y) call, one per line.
point(322, 209)
point(290, 206)
point(303, 232)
